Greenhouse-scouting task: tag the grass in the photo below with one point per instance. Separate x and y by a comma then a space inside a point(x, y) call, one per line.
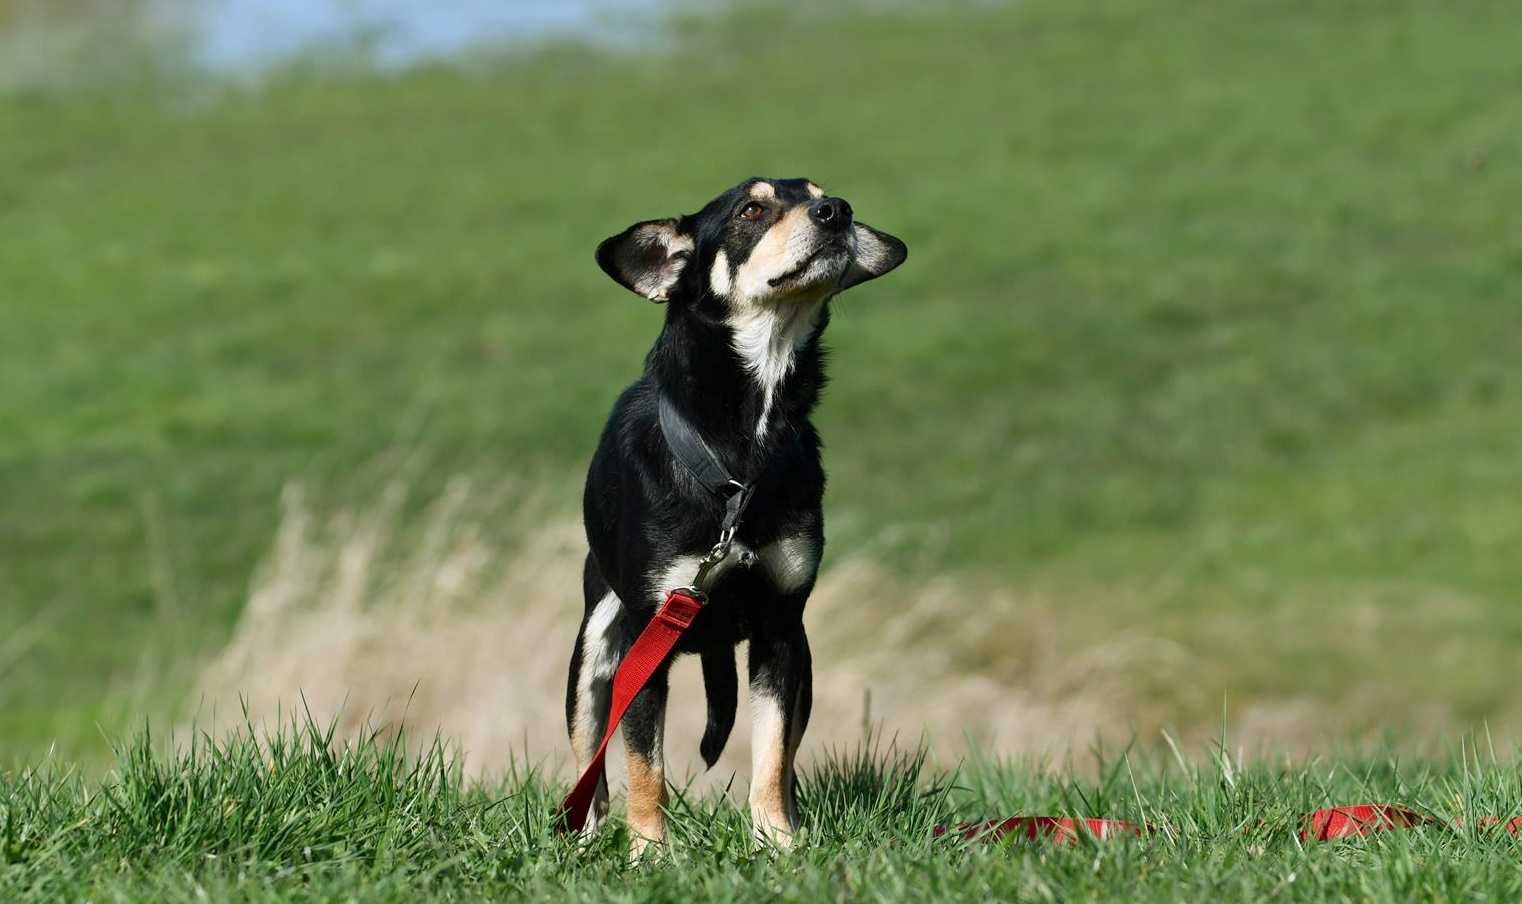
point(294, 818)
point(1209, 332)
point(1200, 384)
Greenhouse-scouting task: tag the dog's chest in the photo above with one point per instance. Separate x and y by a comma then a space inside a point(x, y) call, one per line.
point(785, 565)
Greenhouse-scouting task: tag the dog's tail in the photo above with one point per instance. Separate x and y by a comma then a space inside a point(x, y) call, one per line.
point(721, 686)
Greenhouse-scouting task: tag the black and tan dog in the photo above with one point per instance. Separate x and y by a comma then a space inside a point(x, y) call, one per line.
point(748, 282)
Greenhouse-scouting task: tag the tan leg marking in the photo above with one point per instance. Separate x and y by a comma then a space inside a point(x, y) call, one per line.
point(647, 802)
point(771, 772)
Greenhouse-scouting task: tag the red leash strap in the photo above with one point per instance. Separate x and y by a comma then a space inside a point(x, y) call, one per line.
point(1056, 829)
point(675, 616)
point(1326, 824)
point(650, 650)
point(1331, 823)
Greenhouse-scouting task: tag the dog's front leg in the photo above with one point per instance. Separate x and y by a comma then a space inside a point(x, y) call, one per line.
point(644, 728)
point(589, 690)
point(781, 695)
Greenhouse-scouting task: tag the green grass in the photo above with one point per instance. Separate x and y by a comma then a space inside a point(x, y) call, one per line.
point(1209, 330)
point(293, 819)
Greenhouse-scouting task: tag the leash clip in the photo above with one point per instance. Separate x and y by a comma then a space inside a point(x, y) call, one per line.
point(717, 554)
point(721, 549)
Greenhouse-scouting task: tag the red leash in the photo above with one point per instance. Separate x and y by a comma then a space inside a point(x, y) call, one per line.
point(1326, 824)
point(1056, 829)
point(674, 617)
point(1366, 819)
point(650, 650)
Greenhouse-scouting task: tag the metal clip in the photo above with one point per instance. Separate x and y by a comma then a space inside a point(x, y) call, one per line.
point(718, 554)
point(726, 539)
point(711, 561)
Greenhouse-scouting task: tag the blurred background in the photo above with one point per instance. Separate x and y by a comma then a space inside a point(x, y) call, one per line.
point(1196, 408)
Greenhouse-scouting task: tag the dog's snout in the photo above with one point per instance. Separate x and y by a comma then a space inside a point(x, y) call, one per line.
point(831, 213)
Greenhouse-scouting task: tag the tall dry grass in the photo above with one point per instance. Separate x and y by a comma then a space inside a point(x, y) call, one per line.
point(457, 626)
point(457, 617)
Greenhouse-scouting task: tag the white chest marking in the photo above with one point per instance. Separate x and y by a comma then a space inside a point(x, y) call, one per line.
point(767, 338)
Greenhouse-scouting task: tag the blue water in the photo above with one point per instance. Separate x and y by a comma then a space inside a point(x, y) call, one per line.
point(56, 45)
point(248, 35)
point(244, 35)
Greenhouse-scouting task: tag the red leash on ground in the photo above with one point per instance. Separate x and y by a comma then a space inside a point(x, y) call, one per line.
point(1326, 824)
point(1056, 829)
point(674, 617)
point(1332, 823)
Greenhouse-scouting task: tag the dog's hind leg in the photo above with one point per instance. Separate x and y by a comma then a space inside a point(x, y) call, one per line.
point(800, 721)
point(589, 688)
point(781, 694)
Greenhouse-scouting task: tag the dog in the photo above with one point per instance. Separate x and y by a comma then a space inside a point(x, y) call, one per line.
point(747, 282)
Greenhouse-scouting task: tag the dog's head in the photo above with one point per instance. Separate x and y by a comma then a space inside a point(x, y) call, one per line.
point(761, 242)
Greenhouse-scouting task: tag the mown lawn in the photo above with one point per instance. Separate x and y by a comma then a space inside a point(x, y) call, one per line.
point(294, 820)
point(1209, 332)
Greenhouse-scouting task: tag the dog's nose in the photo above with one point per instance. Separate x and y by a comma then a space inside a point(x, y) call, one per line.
point(831, 213)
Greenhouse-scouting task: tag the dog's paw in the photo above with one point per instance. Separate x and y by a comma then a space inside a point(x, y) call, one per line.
point(771, 835)
point(645, 850)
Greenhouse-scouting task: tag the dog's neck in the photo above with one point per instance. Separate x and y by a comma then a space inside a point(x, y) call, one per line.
point(747, 381)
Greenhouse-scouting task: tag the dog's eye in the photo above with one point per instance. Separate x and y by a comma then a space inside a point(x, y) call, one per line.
point(752, 211)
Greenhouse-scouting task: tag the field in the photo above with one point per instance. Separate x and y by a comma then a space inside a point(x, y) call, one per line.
point(297, 820)
point(1196, 407)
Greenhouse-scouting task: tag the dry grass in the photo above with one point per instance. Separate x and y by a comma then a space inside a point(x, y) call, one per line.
point(463, 625)
point(448, 629)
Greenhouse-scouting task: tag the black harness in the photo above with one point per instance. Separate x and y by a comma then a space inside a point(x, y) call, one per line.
point(699, 460)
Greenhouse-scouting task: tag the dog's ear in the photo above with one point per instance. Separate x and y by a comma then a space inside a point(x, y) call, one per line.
point(647, 258)
point(875, 253)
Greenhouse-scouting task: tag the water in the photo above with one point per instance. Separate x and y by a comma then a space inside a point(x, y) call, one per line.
point(43, 42)
point(248, 35)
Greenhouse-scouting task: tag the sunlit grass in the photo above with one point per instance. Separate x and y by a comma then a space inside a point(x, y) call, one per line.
point(292, 816)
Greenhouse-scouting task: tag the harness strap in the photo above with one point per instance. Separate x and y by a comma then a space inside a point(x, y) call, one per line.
point(643, 660)
point(703, 463)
